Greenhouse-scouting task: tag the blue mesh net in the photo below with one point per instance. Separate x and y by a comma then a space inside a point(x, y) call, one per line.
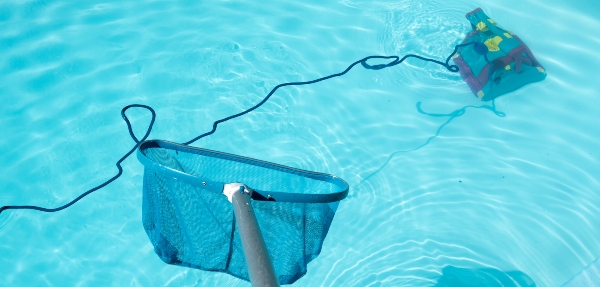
point(191, 223)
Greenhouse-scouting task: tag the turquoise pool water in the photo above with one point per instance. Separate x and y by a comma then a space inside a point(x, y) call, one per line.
point(433, 200)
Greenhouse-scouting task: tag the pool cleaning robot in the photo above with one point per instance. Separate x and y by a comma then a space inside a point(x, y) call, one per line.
point(498, 62)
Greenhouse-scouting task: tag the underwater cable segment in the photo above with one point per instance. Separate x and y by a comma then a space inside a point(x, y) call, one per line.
point(189, 221)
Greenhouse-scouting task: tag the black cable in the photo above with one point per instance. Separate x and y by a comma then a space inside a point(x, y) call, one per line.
point(397, 60)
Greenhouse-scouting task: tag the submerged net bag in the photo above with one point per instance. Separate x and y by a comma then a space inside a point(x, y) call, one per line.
point(191, 223)
point(501, 64)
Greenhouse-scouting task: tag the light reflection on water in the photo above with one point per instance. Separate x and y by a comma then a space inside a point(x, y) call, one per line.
point(432, 200)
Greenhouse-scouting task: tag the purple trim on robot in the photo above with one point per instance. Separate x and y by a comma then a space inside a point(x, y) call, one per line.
point(467, 74)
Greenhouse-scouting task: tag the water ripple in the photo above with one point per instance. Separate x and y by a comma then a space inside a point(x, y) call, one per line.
point(431, 196)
